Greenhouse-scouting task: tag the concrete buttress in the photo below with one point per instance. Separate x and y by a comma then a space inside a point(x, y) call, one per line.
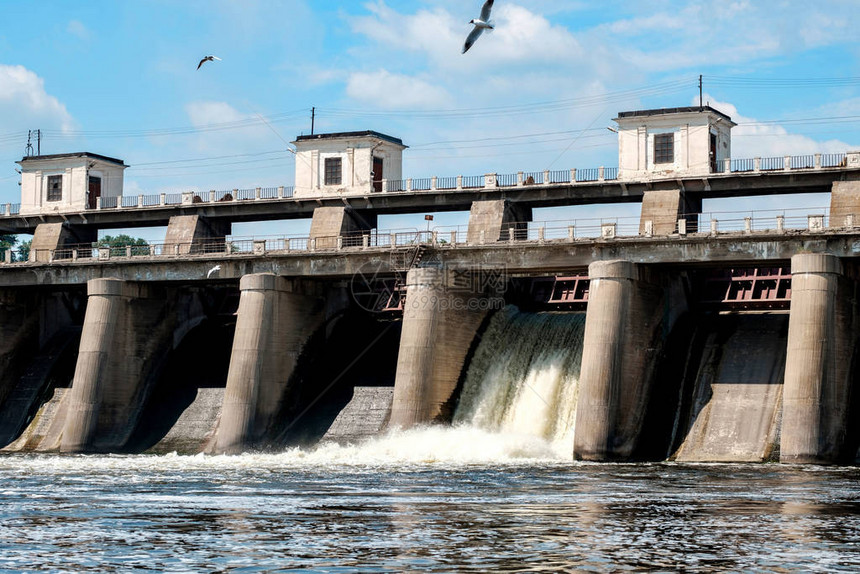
point(439, 324)
point(276, 318)
point(819, 369)
point(628, 318)
point(128, 329)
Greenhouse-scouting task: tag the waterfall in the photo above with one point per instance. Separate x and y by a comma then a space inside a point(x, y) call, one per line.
point(523, 378)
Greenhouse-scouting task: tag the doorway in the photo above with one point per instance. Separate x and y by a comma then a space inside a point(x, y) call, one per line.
point(95, 192)
point(377, 174)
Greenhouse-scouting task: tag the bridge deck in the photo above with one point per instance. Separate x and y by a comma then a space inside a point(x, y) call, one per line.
point(753, 183)
point(531, 257)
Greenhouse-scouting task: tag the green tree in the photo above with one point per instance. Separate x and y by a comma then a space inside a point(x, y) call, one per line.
point(7, 242)
point(24, 250)
point(119, 243)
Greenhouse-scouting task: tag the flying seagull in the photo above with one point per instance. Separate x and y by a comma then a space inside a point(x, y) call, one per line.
point(209, 59)
point(213, 270)
point(481, 24)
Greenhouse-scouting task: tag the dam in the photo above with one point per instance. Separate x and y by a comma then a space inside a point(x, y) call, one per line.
point(674, 337)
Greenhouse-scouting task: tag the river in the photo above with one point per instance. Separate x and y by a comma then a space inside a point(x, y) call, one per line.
point(429, 500)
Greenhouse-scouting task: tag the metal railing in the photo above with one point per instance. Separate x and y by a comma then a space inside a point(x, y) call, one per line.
point(559, 176)
point(742, 165)
point(815, 219)
point(590, 174)
point(772, 163)
point(507, 180)
point(422, 184)
point(473, 181)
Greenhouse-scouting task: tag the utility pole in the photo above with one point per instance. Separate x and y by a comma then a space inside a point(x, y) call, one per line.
point(313, 119)
point(701, 104)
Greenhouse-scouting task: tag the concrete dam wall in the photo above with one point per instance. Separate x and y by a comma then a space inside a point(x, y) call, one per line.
point(644, 371)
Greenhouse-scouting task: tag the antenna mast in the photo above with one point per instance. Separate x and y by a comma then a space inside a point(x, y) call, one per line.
point(701, 105)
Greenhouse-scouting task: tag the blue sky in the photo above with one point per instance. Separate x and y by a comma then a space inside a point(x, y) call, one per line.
point(119, 79)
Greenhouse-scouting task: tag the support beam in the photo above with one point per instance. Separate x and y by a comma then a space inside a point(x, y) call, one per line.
point(52, 237)
point(127, 329)
point(187, 233)
point(845, 202)
point(329, 223)
point(276, 318)
point(664, 207)
point(629, 317)
point(819, 370)
point(490, 221)
point(439, 325)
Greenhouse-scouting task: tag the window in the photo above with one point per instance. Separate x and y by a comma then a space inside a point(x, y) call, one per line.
point(664, 148)
point(333, 171)
point(55, 188)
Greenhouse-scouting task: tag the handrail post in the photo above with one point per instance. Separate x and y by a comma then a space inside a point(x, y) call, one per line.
point(757, 164)
point(571, 233)
point(573, 175)
point(211, 196)
point(748, 224)
point(728, 165)
point(817, 163)
point(140, 200)
point(408, 184)
point(453, 238)
point(546, 177)
point(280, 192)
point(512, 234)
point(786, 163)
point(162, 199)
point(601, 171)
point(780, 223)
point(520, 179)
point(714, 226)
point(433, 181)
point(459, 182)
point(258, 193)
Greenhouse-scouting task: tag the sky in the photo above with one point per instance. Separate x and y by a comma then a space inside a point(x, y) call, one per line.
point(538, 92)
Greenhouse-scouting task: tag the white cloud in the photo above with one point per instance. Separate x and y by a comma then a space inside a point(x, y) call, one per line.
point(76, 28)
point(24, 101)
point(395, 91)
point(751, 138)
point(207, 113)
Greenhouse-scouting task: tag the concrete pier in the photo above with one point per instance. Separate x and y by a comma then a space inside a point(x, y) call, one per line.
point(629, 315)
point(185, 233)
point(440, 321)
point(492, 220)
point(49, 237)
point(128, 330)
point(819, 374)
point(329, 223)
point(276, 318)
point(663, 208)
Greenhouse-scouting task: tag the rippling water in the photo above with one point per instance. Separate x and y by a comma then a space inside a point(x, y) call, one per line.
point(395, 506)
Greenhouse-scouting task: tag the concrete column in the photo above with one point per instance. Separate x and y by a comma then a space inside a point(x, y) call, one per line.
point(104, 310)
point(329, 223)
point(844, 201)
point(822, 337)
point(665, 208)
point(629, 316)
point(494, 218)
point(274, 321)
point(188, 232)
point(55, 237)
point(128, 330)
point(440, 321)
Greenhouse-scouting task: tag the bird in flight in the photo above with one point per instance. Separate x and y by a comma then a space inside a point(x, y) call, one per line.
point(207, 59)
point(480, 24)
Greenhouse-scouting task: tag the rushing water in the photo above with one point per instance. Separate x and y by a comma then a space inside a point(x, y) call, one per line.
point(524, 375)
point(496, 491)
point(383, 508)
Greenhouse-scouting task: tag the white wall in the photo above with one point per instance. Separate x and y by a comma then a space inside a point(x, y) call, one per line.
point(691, 135)
point(356, 161)
point(75, 174)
